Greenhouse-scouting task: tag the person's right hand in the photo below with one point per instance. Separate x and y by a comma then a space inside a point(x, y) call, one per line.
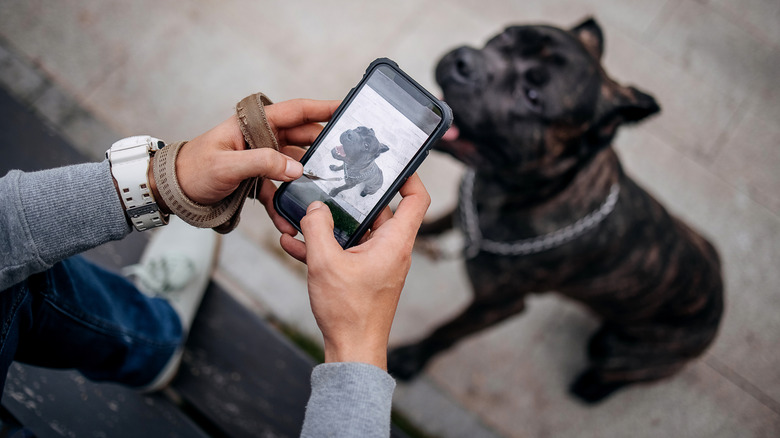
point(354, 293)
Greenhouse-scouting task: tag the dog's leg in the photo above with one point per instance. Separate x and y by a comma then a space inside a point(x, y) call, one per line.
point(426, 243)
point(373, 187)
point(336, 190)
point(406, 362)
point(439, 225)
point(334, 167)
point(623, 355)
point(374, 183)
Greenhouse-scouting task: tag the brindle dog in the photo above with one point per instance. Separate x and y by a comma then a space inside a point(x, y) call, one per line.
point(549, 208)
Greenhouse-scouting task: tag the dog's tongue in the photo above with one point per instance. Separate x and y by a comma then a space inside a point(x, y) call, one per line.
point(452, 134)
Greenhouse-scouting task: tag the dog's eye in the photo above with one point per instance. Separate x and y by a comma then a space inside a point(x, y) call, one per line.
point(558, 60)
point(533, 97)
point(365, 146)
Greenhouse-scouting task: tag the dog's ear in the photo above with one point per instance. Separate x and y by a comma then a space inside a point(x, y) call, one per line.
point(636, 105)
point(384, 148)
point(589, 33)
point(618, 105)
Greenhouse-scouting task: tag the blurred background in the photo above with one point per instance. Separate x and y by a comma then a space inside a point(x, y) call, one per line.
point(100, 70)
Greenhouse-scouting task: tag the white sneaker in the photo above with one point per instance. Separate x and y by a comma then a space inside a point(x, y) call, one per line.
point(176, 265)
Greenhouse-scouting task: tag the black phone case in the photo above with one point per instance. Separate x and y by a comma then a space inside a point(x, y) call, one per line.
point(410, 168)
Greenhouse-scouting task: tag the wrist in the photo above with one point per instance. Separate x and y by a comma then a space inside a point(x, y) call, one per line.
point(372, 353)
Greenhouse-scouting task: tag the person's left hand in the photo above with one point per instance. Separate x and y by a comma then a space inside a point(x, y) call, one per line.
point(211, 166)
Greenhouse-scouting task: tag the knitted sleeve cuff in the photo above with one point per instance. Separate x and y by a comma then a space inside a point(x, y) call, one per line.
point(349, 399)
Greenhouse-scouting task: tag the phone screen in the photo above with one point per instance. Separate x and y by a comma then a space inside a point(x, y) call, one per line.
point(377, 139)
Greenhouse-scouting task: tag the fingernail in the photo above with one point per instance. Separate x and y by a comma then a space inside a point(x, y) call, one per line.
point(313, 206)
point(293, 169)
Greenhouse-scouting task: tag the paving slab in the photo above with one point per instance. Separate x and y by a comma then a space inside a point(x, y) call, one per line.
point(714, 48)
point(80, 42)
point(759, 17)
point(188, 80)
point(694, 115)
point(750, 159)
point(633, 16)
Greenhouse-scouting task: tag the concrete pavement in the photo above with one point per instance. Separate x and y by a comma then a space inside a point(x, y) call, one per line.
point(98, 70)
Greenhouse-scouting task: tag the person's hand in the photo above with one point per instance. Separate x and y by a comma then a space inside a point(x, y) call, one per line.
point(354, 293)
point(211, 166)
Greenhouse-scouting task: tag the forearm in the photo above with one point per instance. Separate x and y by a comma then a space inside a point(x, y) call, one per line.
point(349, 400)
point(53, 214)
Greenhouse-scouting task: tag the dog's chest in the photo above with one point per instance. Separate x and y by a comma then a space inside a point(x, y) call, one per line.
point(360, 173)
point(500, 214)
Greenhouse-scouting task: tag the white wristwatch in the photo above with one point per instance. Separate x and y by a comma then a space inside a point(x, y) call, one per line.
point(129, 160)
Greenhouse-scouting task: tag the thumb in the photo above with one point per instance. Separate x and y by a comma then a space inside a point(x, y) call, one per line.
point(265, 162)
point(317, 228)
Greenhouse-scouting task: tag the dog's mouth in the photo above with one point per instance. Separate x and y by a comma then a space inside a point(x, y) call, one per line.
point(452, 134)
point(340, 151)
point(459, 147)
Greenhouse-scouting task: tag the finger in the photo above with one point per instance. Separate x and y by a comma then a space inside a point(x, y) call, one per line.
point(298, 112)
point(266, 196)
point(294, 152)
point(317, 227)
point(294, 247)
point(303, 135)
point(415, 202)
point(265, 162)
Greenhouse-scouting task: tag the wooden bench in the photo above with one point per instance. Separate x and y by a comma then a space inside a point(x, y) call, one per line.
point(239, 376)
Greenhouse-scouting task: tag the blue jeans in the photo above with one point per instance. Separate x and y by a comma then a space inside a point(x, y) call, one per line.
point(78, 315)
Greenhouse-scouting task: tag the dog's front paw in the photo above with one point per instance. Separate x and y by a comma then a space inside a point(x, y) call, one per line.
point(429, 229)
point(589, 388)
point(334, 167)
point(334, 192)
point(438, 226)
point(405, 363)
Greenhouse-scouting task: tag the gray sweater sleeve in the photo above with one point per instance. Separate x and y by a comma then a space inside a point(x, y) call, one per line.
point(53, 214)
point(349, 400)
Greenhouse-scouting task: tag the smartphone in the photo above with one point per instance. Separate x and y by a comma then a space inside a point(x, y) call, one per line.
point(376, 139)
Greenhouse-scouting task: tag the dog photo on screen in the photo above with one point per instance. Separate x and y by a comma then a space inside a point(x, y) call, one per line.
point(364, 152)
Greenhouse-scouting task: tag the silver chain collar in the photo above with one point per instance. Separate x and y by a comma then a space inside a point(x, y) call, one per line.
point(475, 243)
point(361, 175)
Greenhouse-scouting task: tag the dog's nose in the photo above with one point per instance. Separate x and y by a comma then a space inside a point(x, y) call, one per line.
point(464, 64)
point(460, 66)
